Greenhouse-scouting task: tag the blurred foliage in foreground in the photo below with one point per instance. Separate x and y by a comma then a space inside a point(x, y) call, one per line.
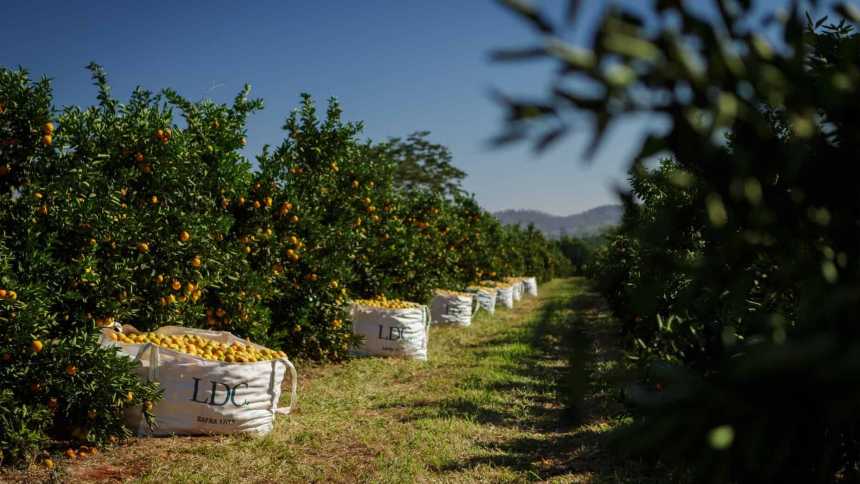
point(735, 272)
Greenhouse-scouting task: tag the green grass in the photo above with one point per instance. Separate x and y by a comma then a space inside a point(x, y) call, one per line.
point(524, 395)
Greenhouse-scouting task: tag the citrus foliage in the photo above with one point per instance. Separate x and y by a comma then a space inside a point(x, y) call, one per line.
point(120, 213)
point(736, 276)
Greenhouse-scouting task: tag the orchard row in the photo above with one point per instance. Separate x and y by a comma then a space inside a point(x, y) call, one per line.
point(121, 213)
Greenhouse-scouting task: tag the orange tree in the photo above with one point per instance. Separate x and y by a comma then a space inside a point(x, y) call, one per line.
point(121, 214)
point(132, 208)
point(55, 378)
point(302, 223)
point(414, 262)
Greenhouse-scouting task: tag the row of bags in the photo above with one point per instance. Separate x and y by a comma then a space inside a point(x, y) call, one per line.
point(206, 397)
point(405, 332)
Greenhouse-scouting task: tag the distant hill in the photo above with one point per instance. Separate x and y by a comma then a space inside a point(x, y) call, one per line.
point(584, 223)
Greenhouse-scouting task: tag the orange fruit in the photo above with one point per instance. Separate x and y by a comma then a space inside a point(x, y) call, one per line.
point(12, 295)
point(138, 157)
point(143, 247)
point(48, 128)
point(71, 454)
point(196, 262)
point(294, 219)
point(256, 204)
point(48, 463)
point(176, 284)
point(153, 200)
point(267, 201)
point(184, 236)
point(37, 346)
point(47, 140)
point(147, 406)
point(71, 370)
point(3, 293)
point(129, 397)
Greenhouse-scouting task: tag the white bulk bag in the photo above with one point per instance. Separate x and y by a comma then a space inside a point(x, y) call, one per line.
point(391, 332)
point(204, 397)
point(486, 297)
point(517, 290)
point(452, 309)
point(531, 286)
point(505, 296)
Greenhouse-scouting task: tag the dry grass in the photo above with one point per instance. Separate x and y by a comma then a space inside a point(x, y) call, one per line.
point(493, 404)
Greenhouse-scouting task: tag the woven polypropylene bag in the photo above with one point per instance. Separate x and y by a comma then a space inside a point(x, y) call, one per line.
point(454, 309)
point(517, 290)
point(531, 286)
point(505, 296)
point(391, 332)
point(486, 297)
point(204, 397)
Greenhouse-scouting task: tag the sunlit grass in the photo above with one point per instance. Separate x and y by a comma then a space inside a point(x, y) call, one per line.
point(486, 407)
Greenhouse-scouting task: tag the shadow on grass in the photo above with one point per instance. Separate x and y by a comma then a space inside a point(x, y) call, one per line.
point(552, 398)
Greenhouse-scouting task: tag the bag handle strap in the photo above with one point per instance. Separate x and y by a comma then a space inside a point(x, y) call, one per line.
point(426, 311)
point(294, 380)
point(154, 360)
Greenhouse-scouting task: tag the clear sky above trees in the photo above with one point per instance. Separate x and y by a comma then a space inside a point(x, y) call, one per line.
point(399, 66)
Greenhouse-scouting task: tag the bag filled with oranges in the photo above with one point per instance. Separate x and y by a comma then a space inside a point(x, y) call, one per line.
point(213, 381)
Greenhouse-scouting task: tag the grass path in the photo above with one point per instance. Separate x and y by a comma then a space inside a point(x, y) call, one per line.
point(522, 396)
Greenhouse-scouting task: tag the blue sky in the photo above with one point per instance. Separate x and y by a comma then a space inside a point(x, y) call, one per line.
point(399, 66)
